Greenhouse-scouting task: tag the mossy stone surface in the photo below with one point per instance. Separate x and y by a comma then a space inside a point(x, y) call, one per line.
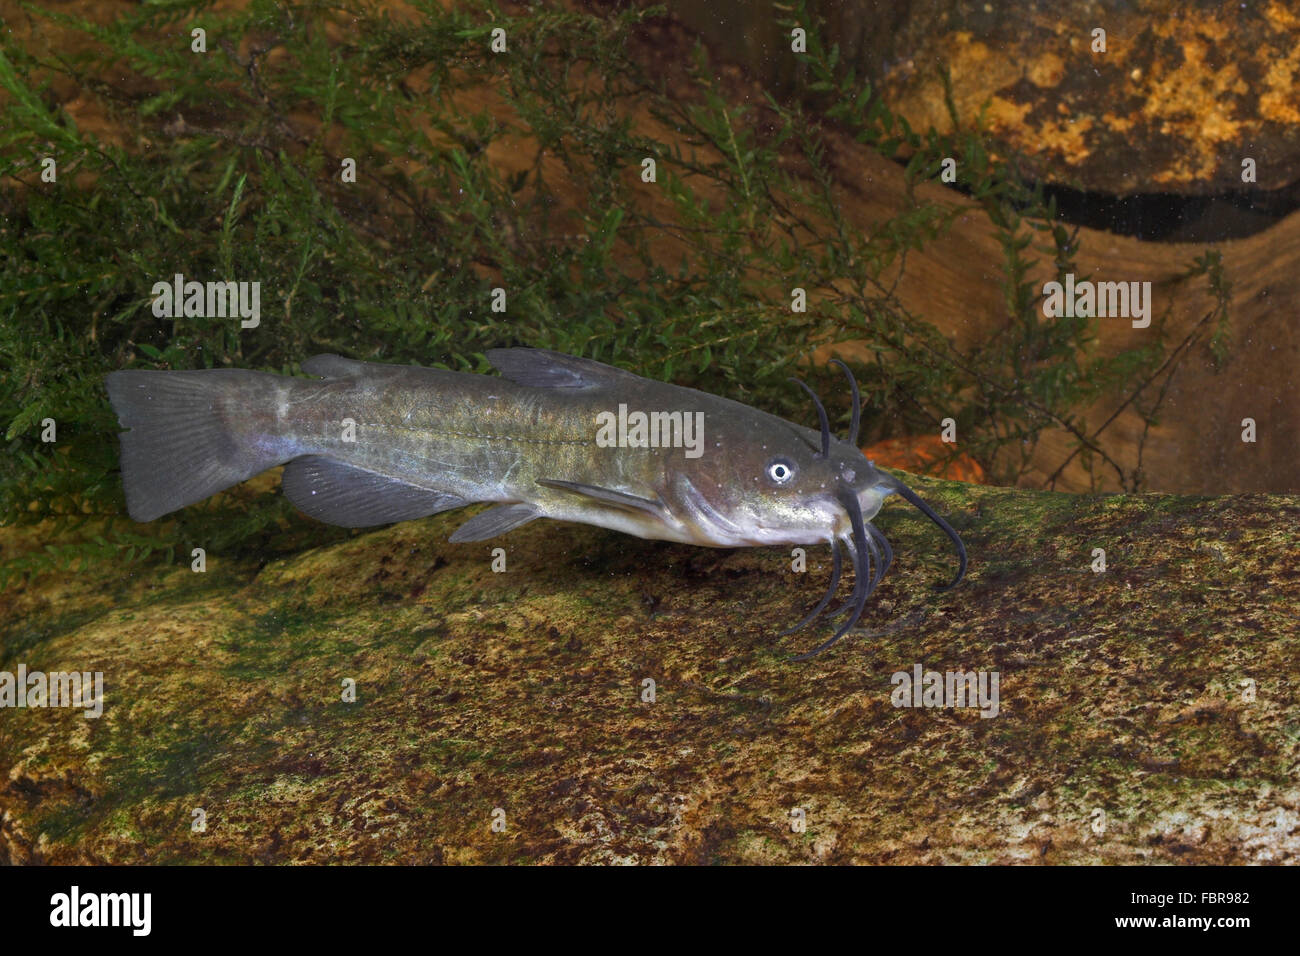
point(1125, 732)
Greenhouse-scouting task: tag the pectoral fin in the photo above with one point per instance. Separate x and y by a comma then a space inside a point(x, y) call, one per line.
point(607, 496)
point(494, 521)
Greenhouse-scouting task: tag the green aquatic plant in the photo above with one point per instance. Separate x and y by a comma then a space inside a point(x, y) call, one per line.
point(476, 169)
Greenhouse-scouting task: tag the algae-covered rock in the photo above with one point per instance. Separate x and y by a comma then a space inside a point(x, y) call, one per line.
point(1145, 713)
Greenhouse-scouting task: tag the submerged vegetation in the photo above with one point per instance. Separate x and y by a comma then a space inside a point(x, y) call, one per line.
point(476, 170)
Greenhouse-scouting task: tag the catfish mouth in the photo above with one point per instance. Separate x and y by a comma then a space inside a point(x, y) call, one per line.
point(719, 529)
point(867, 547)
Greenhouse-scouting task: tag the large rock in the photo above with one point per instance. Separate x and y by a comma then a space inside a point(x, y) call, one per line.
point(1126, 732)
point(1185, 91)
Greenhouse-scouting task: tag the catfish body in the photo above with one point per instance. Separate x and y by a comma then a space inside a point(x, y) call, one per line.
point(367, 444)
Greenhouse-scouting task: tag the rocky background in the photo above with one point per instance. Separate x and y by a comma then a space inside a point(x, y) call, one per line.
point(1147, 712)
point(1145, 140)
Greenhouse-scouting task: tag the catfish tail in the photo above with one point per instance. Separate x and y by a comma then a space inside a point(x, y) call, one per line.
point(192, 434)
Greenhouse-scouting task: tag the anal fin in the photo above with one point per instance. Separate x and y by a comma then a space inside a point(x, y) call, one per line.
point(496, 520)
point(341, 494)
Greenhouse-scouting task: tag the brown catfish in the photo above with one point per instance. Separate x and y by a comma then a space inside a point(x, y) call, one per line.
point(553, 437)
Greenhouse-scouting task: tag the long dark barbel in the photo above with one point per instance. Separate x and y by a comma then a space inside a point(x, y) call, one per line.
point(930, 513)
point(822, 420)
point(884, 546)
point(868, 548)
point(852, 437)
point(874, 539)
point(837, 566)
point(863, 583)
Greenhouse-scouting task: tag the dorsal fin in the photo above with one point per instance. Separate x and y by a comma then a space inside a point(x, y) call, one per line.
point(542, 368)
point(334, 366)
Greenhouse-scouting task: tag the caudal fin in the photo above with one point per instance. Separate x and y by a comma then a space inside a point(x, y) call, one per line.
point(182, 445)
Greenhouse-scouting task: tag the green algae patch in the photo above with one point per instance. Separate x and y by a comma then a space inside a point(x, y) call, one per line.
point(392, 699)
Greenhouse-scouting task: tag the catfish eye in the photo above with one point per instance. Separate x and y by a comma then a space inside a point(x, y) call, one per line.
point(780, 471)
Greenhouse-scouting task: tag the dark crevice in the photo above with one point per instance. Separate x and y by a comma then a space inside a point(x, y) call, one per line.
point(1170, 217)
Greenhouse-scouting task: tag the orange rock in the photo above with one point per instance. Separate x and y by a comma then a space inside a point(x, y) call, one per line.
point(926, 455)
